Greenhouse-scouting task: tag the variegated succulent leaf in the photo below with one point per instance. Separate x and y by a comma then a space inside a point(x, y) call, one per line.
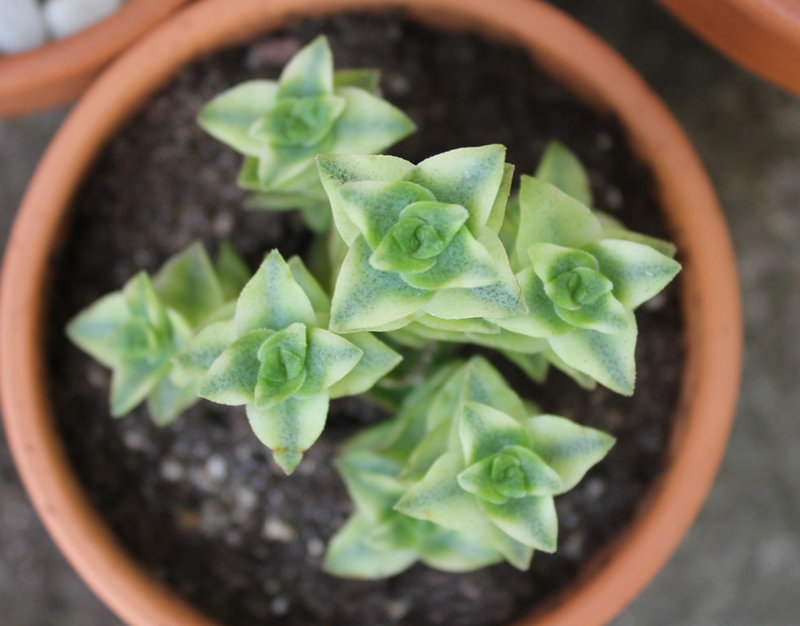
point(273, 358)
point(496, 472)
point(279, 126)
point(418, 238)
point(137, 331)
point(580, 285)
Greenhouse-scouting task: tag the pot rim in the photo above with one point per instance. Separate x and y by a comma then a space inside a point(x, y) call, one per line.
point(57, 72)
point(761, 35)
point(564, 49)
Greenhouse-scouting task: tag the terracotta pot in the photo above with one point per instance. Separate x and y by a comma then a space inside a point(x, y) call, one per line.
point(58, 72)
point(761, 35)
point(576, 58)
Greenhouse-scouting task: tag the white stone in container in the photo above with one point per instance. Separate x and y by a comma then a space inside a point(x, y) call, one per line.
point(67, 17)
point(21, 26)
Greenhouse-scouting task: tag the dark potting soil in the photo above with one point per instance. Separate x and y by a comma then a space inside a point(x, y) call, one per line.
point(200, 503)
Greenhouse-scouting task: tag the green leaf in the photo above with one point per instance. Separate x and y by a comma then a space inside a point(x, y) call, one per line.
point(131, 381)
point(457, 552)
point(303, 122)
point(561, 168)
point(169, 399)
point(471, 177)
point(365, 298)
point(551, 261)
point(371, 482)
point(513, 472)
point(188, 284)
point(368, 124)
point(229, 116)
point(497, 301)
point(98, 329)
point(638, 272)
point(337, 170)
point(375, 207)
point(606, 358)
point(195, 358)
point(316, 294)
point(498, 213)
point(548, 215)
point(483, 431)
point(532, 521)
point(438, 498)
point(330, 358)
point(483, 384)
point(570, 449)
point(349, 555)
point(232, 271)
point(309, 72)
point(471, 325)
point(463, 264)
point(542, 319)
point(605, 315)
point(366, 79)
point(377, 361)
point(272, 299)
point(290, 428)
point(312, 204)
point(233, 376)
point(534, 365)
point(283, 365)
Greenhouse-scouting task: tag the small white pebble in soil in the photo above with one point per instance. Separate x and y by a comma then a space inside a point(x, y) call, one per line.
point(142, 257)
point(614, 198)
point(246, 498)
point(67, 17)
point(279, 606)
point(97, 376)
point(604, 141)
point(396, 609)
point(172, 470)
point(21, 26)
point(223, 224)
point(273, 52)
point(656, 303)
point(276, 529)
point(398, 84)
point(572, 547)
point(134, 439)
point(315, 547)
point(595, 488)
point(217, 468)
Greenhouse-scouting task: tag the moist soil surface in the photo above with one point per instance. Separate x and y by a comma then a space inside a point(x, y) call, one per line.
point(200, 503)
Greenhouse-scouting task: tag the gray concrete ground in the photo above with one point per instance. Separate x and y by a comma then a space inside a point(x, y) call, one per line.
point(740, 564)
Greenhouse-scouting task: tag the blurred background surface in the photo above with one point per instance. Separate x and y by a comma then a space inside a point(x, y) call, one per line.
point(740, 563)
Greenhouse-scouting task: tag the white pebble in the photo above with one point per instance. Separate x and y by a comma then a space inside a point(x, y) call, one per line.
point(315, 547)
point(277, 530)
point(171, 470)
point(67, 17)
point(279, 606)
point(21, 26)
point(216, 467)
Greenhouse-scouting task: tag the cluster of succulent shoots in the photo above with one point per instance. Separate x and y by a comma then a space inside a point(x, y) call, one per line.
point(420, 259)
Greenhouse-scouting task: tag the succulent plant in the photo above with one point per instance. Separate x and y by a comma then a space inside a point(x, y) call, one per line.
point(274, 358)
point(410, 262)
point(421, 239)
point(456, 479)
point(137, 331)
point(279, 126)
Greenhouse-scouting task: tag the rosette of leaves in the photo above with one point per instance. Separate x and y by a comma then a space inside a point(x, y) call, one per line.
point(422, 239)
point(489, 468)
point(274, 358)
point(136, 331)
point(463, 476)
point(582, 275)
point(279, 126)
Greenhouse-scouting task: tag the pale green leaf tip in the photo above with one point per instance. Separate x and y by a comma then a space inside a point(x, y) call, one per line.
point(288, 460)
